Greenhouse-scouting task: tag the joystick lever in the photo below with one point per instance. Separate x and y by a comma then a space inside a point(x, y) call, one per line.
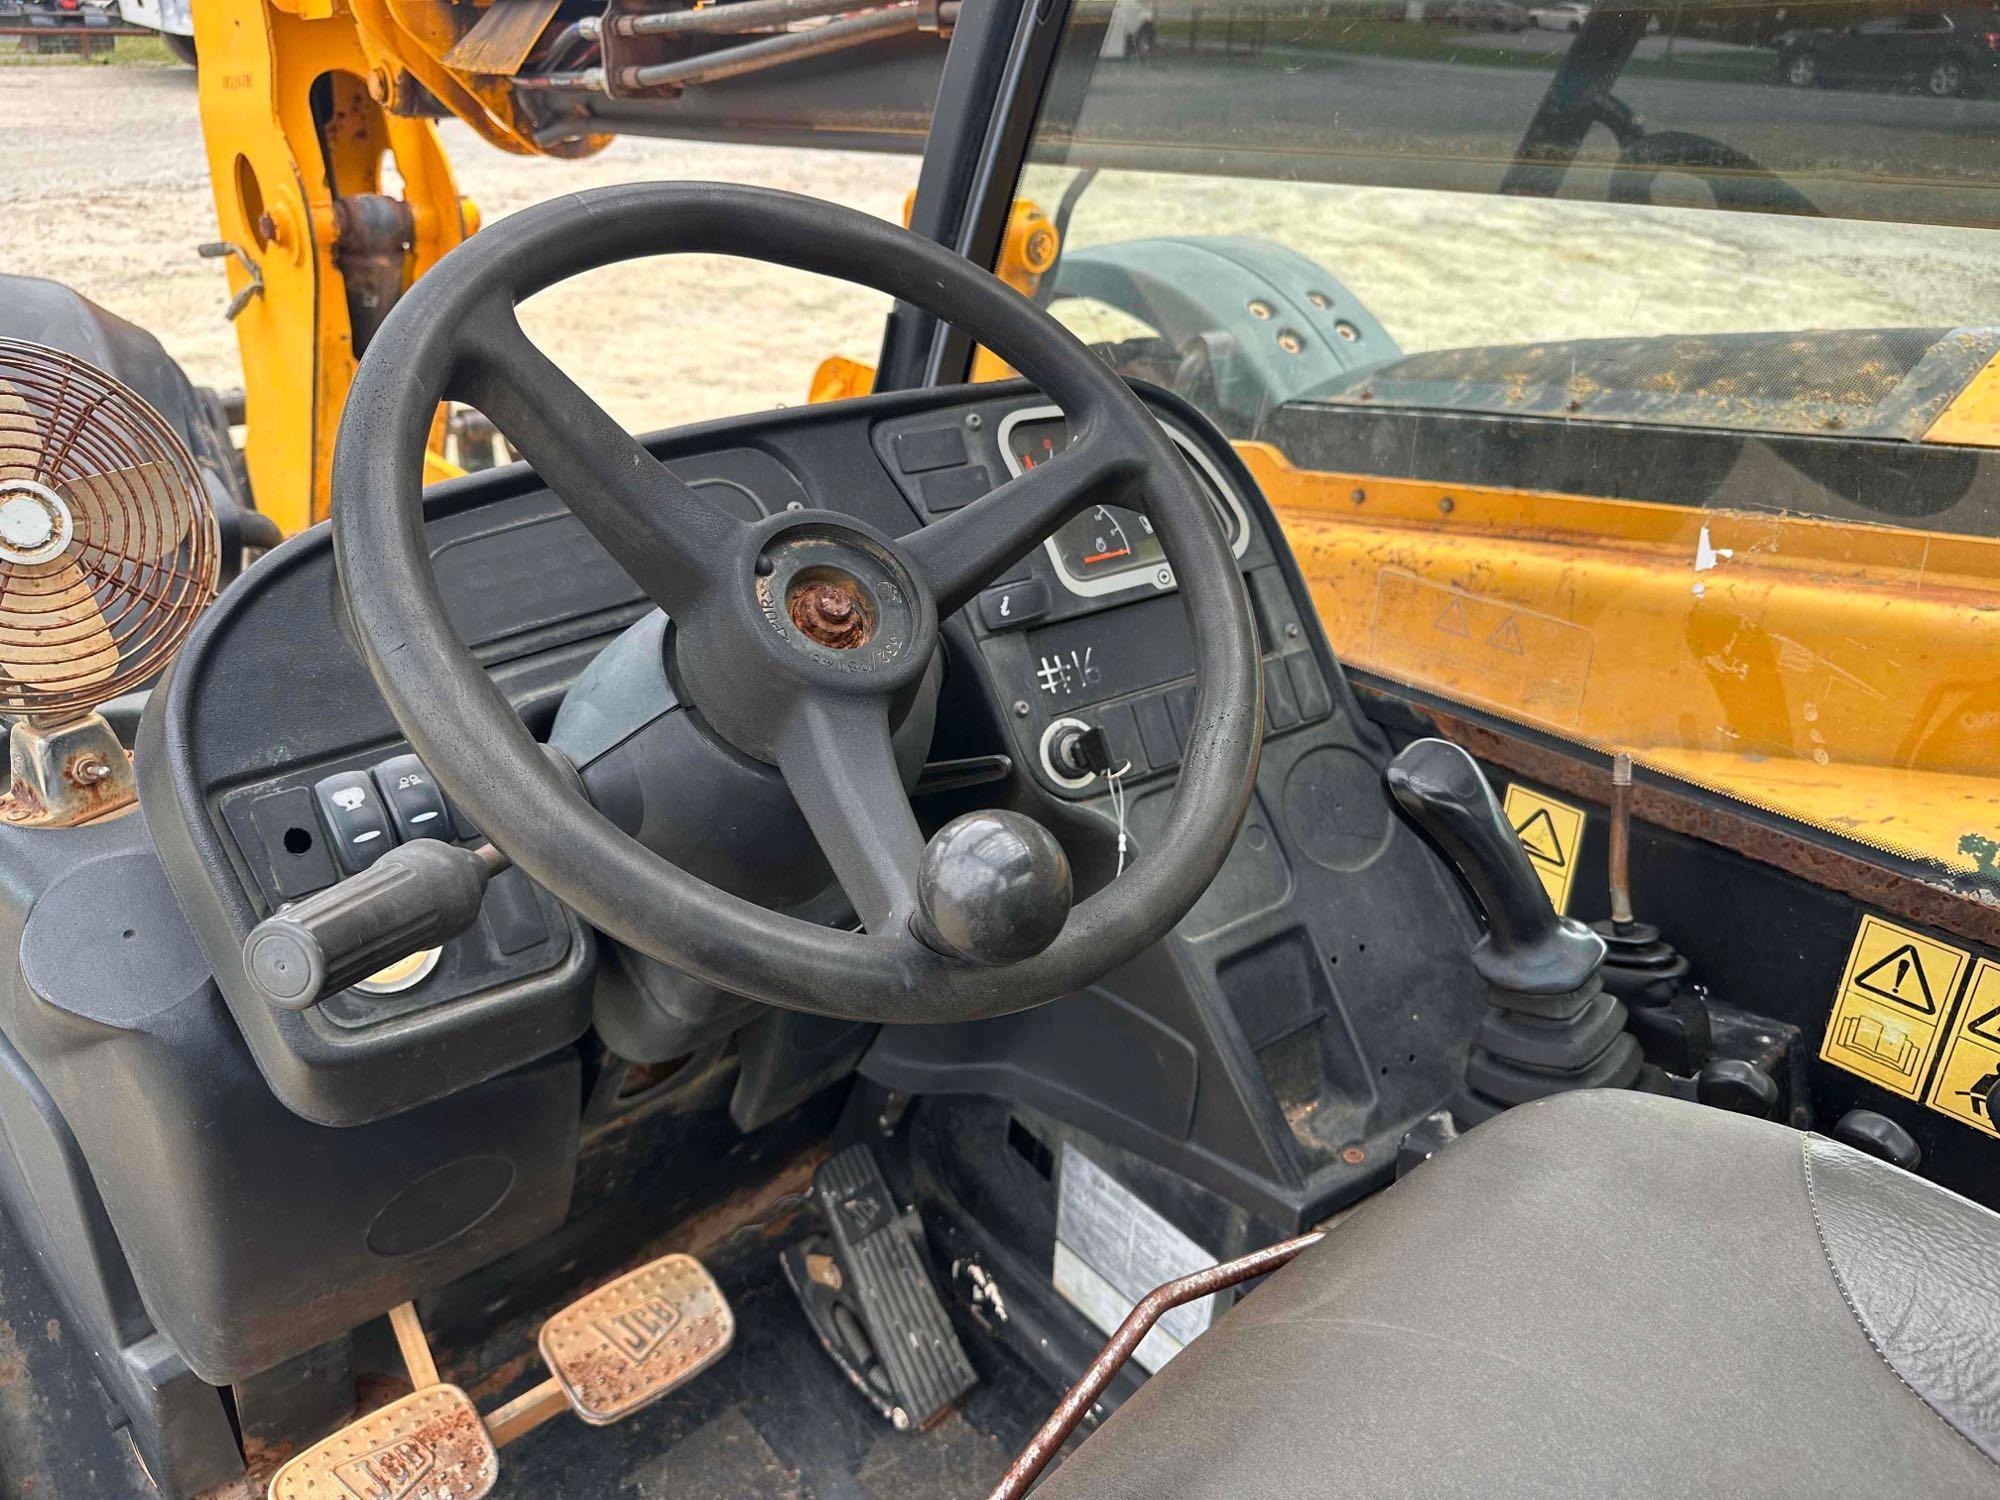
point(1528, 949)
point(1551, 1027)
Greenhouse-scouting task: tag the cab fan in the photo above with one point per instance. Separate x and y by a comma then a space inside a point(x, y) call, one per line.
point(108, 553)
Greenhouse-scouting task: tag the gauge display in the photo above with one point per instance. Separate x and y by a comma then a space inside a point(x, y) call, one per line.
point(1107, 546)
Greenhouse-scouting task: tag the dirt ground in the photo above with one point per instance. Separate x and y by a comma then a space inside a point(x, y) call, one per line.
point(104, 185)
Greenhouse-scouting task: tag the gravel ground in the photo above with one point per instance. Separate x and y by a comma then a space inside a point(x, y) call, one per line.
point(104, 186)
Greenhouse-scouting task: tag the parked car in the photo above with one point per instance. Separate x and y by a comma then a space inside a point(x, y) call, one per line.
point(1948, 55)
point(1484, 15)
point(1558, 17)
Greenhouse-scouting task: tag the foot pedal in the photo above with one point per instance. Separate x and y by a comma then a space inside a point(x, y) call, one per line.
point(629, 1343)
point(871, 1300)
point(431, 1445)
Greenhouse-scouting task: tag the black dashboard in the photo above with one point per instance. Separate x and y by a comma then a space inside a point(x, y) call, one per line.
point(1068, 638)
point(268, 764)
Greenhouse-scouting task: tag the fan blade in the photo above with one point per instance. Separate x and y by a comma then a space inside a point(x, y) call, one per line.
point(20, 435)
point(128, 514)
point(53, 635)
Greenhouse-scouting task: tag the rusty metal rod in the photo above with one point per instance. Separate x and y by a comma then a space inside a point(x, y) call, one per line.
point(732, 15)
point(787, 46)
point(1045, 1444)
point(1620, 860)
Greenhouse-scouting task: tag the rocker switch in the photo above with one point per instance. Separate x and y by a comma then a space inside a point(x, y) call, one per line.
point(416, 806)
point(356, 820)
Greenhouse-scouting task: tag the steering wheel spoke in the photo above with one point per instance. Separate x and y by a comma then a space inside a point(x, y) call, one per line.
point(661, 531)
point(971, 547)
point(838, 759)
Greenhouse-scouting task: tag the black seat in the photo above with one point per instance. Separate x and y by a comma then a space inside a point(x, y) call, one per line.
point(1599, 1294)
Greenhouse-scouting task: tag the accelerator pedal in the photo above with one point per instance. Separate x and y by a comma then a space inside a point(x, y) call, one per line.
point(869, 1297)
point(431, 1445)
point(630, 1342)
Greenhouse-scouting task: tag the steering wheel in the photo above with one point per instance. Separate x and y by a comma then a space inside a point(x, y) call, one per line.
point(800, 639)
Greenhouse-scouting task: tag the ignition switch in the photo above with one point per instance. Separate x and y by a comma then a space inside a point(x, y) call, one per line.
point(1081, 751)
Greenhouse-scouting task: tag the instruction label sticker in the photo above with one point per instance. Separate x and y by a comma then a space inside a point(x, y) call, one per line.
point(1551, 832)
point(1967, 1086)
point(1112, 1248)
point(1889, 1014)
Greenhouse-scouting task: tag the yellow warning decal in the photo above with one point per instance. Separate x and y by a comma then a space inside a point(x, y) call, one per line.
point(1967, 1086)
point(1550, 832)
point(1889, 1013)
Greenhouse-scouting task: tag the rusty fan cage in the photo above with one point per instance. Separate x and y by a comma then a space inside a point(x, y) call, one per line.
point(108, 554)
point(108, 548)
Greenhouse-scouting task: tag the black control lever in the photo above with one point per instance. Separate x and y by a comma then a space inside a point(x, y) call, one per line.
point(1550, 1026)
point(1528, 950)
point(414, 897)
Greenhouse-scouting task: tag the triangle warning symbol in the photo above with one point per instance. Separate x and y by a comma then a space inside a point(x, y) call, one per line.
point(1986, 1027)
point(1507, 638)
point(1452, 621)
point(1900, 977)
point(1538, 836)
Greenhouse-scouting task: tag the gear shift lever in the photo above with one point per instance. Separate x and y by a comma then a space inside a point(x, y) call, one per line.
point(1552, 1027)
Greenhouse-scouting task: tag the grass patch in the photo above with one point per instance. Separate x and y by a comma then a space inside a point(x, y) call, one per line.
point(121, 52)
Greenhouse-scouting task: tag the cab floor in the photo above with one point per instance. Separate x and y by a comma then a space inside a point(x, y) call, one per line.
point(776, 1420)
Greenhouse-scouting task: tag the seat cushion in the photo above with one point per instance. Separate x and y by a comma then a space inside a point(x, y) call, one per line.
point(1598, 1294)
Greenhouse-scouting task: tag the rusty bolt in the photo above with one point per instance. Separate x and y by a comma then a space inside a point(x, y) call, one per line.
point(1446, 505)
point(90, 770)
point(831, 614)
point(1359, 496)
point(1354, 1156)
point(378, 85)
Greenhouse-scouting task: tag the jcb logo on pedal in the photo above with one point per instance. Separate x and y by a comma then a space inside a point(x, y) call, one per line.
point(638, 1331)
point(388, 1473)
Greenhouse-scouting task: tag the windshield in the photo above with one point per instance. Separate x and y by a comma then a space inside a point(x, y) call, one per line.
point(1622, 372)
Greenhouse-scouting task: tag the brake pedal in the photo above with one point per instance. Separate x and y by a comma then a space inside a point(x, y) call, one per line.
point(870, 1299)
point(628, 1343)
point(430, 1445)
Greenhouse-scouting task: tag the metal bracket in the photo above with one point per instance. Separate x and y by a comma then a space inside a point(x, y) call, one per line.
point(229, 248)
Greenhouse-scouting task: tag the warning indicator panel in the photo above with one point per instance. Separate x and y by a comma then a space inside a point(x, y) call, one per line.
point(1550, 832)
point(1889, 1014)
point(1967, 1086)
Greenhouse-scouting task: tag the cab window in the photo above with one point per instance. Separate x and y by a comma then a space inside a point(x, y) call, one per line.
point(1628, 374)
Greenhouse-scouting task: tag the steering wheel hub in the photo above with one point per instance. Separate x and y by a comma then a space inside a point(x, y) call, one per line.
point(841, 599)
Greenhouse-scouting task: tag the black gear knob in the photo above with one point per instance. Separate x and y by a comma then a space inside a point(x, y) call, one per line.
point(994, 889)
point(1528, 949)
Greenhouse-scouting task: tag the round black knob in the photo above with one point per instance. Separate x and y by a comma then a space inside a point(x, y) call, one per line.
point(994, 889)
point(1881, 1136)
point(1740, 1087)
